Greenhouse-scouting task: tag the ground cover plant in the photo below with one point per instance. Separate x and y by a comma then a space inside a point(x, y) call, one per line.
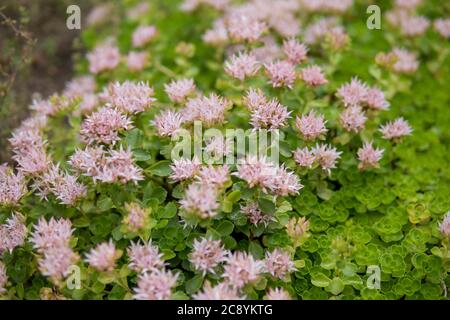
point(347, 199)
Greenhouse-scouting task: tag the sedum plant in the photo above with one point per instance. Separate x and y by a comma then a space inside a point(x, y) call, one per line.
point(344, 197)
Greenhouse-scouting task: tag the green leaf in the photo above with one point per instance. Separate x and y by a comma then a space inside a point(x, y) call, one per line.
point(170, 210)
point(141, 155)
point(225, 228)
point(266, 206)
point(234, 196)
point(161, 168)
point(336, 286)
point(194, 284)
point(320, 280)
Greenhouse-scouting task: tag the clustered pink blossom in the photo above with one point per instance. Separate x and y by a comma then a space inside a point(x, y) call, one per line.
point(156, 285)
point(327, 5)
point(109, 167)
point(143, 35)
point(442, 26)
point(313, 76)
point(407, 4)
point(395, 129)
point(222, 291)
point(277, 294)
point(375, 99)
point(201, 201)
point(104, 126)
point(4, 278)
point(104, 57)
point(412, 26)
point(444, 226)
point(369, 156)
point(99, 14)
point(51, 234)
point(207, 254)
point(278, 263)
point(254, 99)
point(406, 61)
point(179, 90)
point(269, 51)
point(295, 51)
point(185, 169)
point(304, 157)
point(311, 126)
point(209, 110)
point(217, 35)
point(103, 257)
point(242, 65)
point(80, 86)
point(255, 215)
point(12, 233)
point(167, 123)
point(12, 186)
point(326, 156)
point(56, 262)
point(137, 217)
point(145, 257)
point(129, 97)
point(353, 93)
point(244, 27)
point(264, 174)
point(353, 118)
point(316, 31)
point(241, 269)
point(281, 73)
point(214, 176)
point(137, 61)
point(218, 147)
point(271, 116)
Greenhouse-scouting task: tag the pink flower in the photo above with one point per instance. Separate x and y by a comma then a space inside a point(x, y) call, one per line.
point(103, 257)
point(145, 257)
point(12, 186)
point(277, 294)
point(156, 285)
point(143, 35)
point(104, 126)
point(316, 31)
point(53, 233)
point(353, 119)
point(279, 264)
point(254, 99)
point(326, 156)
point(217, 148)
point(218, 35)
point(281, 73)
point(254, 215)
point(137, 61)
point(80, 86)
point(67, 190)
point(269, 52)
point(442, 26)
point(207, 255)
point(214, 176)
point(201, 201)
point(295, 51)
point(167, 123)
point(137, 217)
point(353, 93)
point(88, 161)
point(88, 103)
point(375, 99)
point(337, 38)
point(209, 110)
point(311, 126)
point(185, 169)
point(3, 278)
point(406, 61)
point(444, 226)
point(241, 66)
point(241, 269)
point(413, 26)
point(369, 156)
point(129, 97)
point(99, 14)
point(13, 233)
point(257, 172)
point(270, 116)
point(396, 129)
point(120, 168)
point(221, 291)
point(313, 76)
point(285, 183)
point(304, 157)
point(179, 90)
point(407, 4)
point(104, 57)
point(244, 27)
point(56, 262)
